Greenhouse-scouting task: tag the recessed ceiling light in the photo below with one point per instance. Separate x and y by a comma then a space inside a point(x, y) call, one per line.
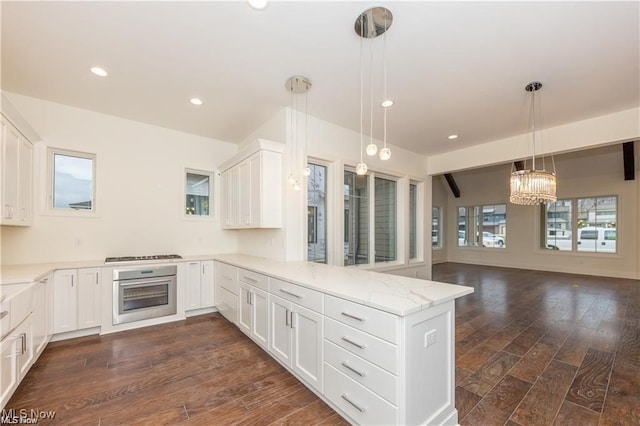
point(387, 103)
point(99, 71)
point(258, 4)
point(453, 137)
point(196, 101)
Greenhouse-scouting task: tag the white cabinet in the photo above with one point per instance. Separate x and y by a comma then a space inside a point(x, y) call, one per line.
point(42, 314)
point(226, 291)
point(76, 299)
point(17, 351)
point(253, 306)
point(296, 335)
point(252, 188)
point(17, 167)
point(199, 285)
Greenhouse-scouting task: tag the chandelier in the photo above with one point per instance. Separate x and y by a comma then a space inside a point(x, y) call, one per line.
point(298, 85)
point(530, 186)
point(370, 24)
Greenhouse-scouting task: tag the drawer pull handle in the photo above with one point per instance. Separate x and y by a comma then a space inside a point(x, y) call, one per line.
point(291, 294)
point(348, 367)
point(246, 278)
point(353, 317)
point(356, 406)
point(357, 345)
point(4, 314)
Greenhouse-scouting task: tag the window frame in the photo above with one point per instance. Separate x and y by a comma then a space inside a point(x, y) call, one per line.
point(329, 211)
point(420, 222)
point(478, 210)
point(212, 203)
point(50, 209)
point(438, 245)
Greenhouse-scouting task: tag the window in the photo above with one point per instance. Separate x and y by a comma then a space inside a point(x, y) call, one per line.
point(72, 180)
point(317, 214)
point(435, 227)
point(413, 221)
point(484, 226)
point(356, 218)
point(198, 193)
point(592, 220)
point(385, 220)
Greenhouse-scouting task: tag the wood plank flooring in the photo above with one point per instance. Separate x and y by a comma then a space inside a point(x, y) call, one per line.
point(532, 348)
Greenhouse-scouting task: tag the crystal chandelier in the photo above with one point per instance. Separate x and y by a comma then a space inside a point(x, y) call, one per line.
point(370, 24)
point(530, 186)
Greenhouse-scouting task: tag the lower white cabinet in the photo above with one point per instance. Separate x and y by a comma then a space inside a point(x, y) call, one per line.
point(253, 314)
point(199, 285)
point(226, 291)
point(42, 314)
point(17, 350)
point(296, 335)
point(76, 299)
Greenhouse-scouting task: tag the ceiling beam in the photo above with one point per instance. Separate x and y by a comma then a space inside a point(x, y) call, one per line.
point(628, 155)
point(452, 185)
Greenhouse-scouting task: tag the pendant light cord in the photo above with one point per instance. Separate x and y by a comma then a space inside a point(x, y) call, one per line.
point(361, 88)
point(371, 92)
point(384, 77)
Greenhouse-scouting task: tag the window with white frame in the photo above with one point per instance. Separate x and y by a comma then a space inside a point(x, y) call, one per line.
point(413, 220)
point(435, 227)
point(71, 180)
point(198, 193)
point(317, 213)
point(482, 226)
point(582, 224)
point(356, 218)
point(385, 219)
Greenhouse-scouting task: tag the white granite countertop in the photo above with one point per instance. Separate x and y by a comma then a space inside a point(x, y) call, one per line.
point(391, 293)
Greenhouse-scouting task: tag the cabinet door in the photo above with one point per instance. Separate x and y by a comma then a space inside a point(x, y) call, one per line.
point(260, 317)
point(206, 284)
point(307, 345)
point(25, 182)
point(8, 376)
point(255, 190)
point(280, 329)
point(244, 309)
point(24, 341)
point(228, 305)
point(40, 326)
point(234, 197)
point(245, 193)
point(65, 301)
point(10, 162)
point(89, 298)
point(225, 200)
point(193, 285)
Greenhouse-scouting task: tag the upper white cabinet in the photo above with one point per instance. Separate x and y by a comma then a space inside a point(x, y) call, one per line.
point(252, 187)
point(17, 167)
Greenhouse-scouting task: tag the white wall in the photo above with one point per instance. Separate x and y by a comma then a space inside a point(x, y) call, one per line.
point(140, 189)
point(594, 172)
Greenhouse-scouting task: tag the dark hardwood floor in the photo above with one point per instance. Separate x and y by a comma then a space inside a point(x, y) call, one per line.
point(532, 348)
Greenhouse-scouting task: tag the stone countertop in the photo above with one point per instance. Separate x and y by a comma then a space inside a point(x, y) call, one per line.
point(390, 293)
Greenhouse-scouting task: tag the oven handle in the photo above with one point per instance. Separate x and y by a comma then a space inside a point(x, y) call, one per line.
point(140, 283)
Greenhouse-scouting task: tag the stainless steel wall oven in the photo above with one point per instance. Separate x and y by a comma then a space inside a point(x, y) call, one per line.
point(143, 292)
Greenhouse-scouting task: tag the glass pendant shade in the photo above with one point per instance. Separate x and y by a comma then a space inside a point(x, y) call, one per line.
point(531, 187)
point(372, 149)
point(361, 169)
point(291, 178)
point(306, 171)
point(385, 153)
point(296, 186)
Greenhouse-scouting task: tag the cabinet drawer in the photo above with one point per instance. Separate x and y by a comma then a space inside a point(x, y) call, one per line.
point(381, 324)
point(253, 278)
point(367, 374)
point(371, 348)
point(359, 403)
point(227, 277)
point(301, 295)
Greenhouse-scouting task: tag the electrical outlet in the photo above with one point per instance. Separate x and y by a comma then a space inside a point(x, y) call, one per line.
point(430, 338)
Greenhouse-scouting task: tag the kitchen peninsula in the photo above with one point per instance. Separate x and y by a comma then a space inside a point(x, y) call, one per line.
point(378, 348)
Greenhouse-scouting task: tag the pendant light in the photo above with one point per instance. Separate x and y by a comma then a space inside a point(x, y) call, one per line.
point(297, 85)
point(370, 24)
point(530, 186)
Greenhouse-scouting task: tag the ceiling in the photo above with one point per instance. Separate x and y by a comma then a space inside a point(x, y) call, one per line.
point(453, 67)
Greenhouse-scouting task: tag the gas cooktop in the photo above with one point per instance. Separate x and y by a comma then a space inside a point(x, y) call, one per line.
point(140, 258)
